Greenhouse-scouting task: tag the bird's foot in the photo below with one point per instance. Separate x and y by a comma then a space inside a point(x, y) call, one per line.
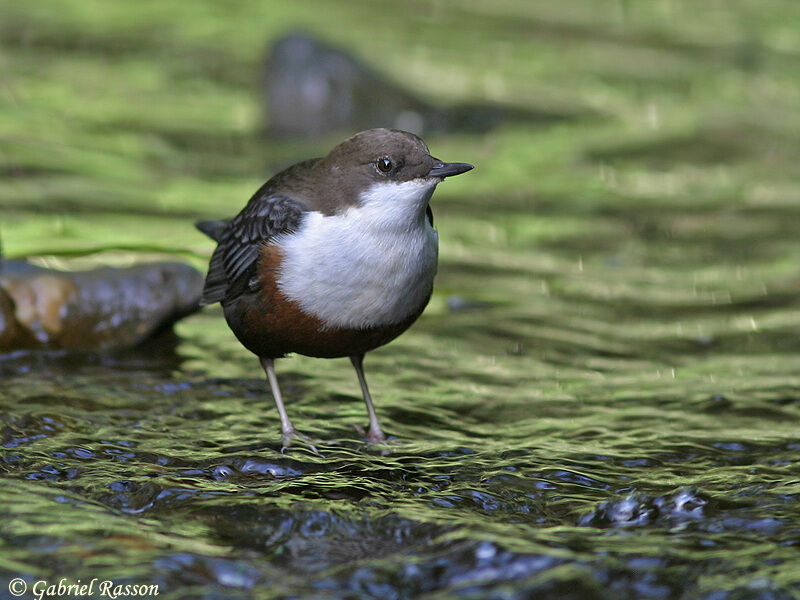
point(290, 434)
point(376, 437)
point(373, 436)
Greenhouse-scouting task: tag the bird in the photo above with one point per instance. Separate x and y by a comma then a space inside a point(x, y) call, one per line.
point(332, 257)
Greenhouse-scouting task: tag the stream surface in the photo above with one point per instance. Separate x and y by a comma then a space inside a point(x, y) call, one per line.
point(601, 401)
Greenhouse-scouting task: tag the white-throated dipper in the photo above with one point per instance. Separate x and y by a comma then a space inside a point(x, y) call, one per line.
point(331, 257)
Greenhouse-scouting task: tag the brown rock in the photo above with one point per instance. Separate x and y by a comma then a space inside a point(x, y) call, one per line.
point(97, 309)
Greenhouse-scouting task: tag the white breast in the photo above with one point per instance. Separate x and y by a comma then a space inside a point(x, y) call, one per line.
point(369, 266)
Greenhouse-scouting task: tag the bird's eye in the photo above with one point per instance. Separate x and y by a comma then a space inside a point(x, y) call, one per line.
point(384, 165)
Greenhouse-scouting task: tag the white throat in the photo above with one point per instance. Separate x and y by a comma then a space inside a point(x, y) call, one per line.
point(372, 265)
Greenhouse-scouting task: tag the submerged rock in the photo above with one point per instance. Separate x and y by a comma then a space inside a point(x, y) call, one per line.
point(101, 308)
point(312, 88)
point(674, 509)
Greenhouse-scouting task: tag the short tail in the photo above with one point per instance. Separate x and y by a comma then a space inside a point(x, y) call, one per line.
point(216, 282)
point(212, 229)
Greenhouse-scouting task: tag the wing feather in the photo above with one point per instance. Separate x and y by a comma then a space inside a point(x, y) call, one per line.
point(234, 262)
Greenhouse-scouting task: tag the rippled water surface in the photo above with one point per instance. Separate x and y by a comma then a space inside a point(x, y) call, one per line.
point(602, 400)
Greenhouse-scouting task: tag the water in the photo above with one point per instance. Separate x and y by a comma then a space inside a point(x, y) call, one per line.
point(601, 401)
point(607, 483)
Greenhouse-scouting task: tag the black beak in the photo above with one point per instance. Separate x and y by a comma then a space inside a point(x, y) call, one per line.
point(443, 169)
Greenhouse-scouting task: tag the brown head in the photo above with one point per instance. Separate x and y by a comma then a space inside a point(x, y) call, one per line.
point(376, 157)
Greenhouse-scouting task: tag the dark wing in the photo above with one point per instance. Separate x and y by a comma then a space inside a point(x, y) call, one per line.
point(234, 262)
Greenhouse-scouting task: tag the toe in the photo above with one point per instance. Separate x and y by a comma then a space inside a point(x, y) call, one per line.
point(288, 437)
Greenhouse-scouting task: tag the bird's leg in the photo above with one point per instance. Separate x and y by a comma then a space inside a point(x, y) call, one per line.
point(287, 429)
point(374, 435)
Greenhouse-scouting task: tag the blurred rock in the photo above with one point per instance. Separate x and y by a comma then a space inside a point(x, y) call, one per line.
point(312, 88)
point(457, 304)
point(101, 308)
point(12, 334)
